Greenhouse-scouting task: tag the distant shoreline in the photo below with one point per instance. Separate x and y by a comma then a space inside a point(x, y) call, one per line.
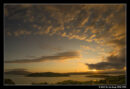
point(47, 74)
point(54, 74)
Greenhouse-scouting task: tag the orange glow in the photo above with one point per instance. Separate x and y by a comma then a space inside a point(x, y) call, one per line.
point(124, 68)
point(94, 70)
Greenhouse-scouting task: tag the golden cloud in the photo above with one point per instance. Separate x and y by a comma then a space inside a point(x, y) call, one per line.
point(59, 56)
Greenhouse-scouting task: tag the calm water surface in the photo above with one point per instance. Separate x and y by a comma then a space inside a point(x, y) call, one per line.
point(21, 79)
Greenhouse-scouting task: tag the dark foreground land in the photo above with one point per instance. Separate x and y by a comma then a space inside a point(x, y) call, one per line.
point(108, 80)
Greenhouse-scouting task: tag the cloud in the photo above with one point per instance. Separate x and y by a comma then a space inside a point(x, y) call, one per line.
point(9, 33)
point(121, 43)
point(89, 23)
point(117, 40)
point(73, 35)
point(84, 21)
point(41, 30)
point(22, 32)
point(59, 56)
point(112, 62)
point(48, 30)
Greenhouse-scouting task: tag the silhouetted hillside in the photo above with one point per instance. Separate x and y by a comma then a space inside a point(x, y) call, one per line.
point(47, 74)
point(52, 74)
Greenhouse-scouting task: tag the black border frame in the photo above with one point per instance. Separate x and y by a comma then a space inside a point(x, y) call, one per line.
point(55, 2)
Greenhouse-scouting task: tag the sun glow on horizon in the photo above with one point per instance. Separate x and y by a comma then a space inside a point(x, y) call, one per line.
point(94, 70)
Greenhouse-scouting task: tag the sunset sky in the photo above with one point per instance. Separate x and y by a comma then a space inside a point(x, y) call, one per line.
point(65, 38)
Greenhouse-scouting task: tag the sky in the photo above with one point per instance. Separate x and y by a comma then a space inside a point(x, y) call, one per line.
point(65, 38)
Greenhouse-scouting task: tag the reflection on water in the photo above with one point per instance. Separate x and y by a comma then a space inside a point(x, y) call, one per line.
point(21, 79)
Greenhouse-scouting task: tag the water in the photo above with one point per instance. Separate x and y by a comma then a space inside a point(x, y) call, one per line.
point(21, 79)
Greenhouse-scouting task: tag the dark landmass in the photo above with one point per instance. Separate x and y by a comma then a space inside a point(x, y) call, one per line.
point(47, 74)
point(9, 82)
point(108, 80)
point(99, 76)
point(18, 72)
point(52, 74)
point(43, 83)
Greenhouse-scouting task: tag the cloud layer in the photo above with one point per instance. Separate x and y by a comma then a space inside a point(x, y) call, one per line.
point(88, 22)
point(102, 24)
point(112, 62)
point(59, 56)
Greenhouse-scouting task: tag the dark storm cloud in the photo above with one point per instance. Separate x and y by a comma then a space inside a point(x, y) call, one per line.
point(113, 62)
point(59, 56)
